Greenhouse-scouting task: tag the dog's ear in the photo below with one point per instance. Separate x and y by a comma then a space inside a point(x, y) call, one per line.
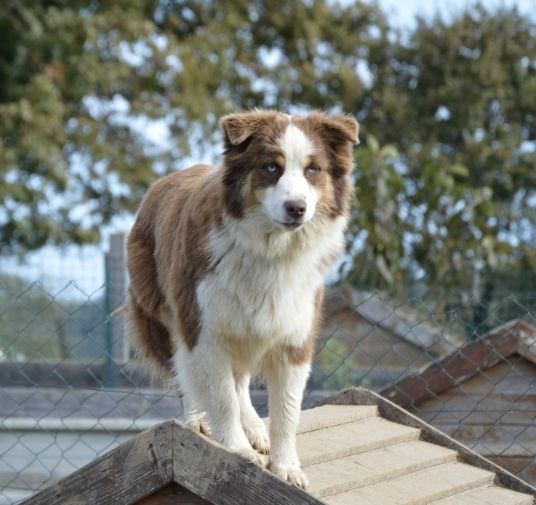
point(345, 126)
point(238, 127)
point(336, 130)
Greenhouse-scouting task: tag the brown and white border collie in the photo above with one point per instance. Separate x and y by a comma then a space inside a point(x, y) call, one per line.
point(226, 268)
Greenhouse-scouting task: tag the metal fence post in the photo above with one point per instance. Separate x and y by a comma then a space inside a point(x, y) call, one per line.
point(117, 346)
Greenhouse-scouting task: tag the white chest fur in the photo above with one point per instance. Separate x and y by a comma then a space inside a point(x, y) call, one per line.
point(263, 286)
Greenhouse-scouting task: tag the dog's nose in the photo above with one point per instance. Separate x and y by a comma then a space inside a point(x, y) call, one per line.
point(295, 208)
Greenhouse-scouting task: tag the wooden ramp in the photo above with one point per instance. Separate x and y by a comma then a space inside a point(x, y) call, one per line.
point(357, 449)
point(353, 456)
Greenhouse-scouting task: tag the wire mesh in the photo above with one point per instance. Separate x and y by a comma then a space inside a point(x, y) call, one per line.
point(67, 395)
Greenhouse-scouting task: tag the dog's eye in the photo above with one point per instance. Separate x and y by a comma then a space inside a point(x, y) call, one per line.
point(312, 169)
point(272, 168)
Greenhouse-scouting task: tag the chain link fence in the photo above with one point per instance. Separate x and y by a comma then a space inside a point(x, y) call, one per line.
point(71, 390)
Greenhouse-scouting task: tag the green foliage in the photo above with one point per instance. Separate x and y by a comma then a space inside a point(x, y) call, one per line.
point(28, 321)
point(36, 325)
point(458, 203)
point(446, 183)
point(377, 219)
point(77, 80)
point(335, 368)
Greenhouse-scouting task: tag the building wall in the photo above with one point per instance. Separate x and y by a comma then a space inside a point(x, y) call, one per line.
point(373, 346)
point(493, 413)
point(353, 352)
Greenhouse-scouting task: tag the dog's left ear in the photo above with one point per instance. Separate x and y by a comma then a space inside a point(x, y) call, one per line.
point(341, 128)
point(237, 128)
point(348, 127)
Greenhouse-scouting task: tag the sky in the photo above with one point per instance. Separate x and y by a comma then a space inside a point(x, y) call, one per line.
point(55, 267)
point(403, 12)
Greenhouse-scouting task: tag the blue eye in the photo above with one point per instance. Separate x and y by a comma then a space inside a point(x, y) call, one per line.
point(272, 168)
point(312, 169)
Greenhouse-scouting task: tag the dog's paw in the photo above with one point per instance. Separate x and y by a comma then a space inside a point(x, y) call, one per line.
point(204, 428)
point(198, 425)
point(258, 437)
point(291, 473)
point(253, 456)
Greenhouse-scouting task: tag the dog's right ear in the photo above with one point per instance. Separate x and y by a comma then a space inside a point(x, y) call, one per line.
point(238, 127)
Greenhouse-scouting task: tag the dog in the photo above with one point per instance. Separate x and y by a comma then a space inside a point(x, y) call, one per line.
point(227, 271)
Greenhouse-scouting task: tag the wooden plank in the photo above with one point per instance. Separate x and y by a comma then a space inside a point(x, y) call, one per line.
point(391, 411)
point(467, 418)
point(224, 478)
point(462, 364)
point(485, 383)
point(367, 468)
point(418, 488)
point(351, 438)
point(494, 440)
point(60, 403)
point(381, 346)
point(488, 495)
point(491, 449)
point(173, 494)
point(524, 468)
point(406, 324)
point(459, 400)
point(515, 465)
point(495, 409)
point(516, 375)
point(128, 473)
point(333, 415)
point(71, 373)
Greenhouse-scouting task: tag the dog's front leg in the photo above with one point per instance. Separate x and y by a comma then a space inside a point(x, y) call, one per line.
point(208, 373)
point(253, 425)
point(286, 383)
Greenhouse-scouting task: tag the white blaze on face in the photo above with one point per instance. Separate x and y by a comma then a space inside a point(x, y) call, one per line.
point(292, 185)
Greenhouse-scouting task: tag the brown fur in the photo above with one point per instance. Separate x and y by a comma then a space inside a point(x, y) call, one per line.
point(256, 146)
point(167, 255)
point(172, 225)
point(253, 147)
point(336, 135)
point(152, 336)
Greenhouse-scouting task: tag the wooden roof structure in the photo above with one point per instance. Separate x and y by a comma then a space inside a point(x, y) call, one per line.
point(355, 448)
point(502, 343)
point(400, 320)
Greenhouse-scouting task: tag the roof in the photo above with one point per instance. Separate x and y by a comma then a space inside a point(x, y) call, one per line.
point(402, 321)
point(515, 337)
point(356, 448)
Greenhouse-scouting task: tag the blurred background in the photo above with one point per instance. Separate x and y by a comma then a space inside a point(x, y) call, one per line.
point(100, 98)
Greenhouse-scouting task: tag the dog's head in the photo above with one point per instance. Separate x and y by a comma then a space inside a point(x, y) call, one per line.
point(288, 167)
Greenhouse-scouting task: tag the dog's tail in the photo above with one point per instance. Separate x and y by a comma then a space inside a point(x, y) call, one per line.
point(150, 335)
point(152, 339)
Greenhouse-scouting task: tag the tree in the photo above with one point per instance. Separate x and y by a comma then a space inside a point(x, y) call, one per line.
point(446, 184)
point(28, 321)
point(458, 202)
point(80, 80)
point(38, 325)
